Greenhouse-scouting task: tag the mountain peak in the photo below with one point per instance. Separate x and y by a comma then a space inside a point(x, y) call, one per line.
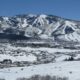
point(42, 16)
point(39, 25)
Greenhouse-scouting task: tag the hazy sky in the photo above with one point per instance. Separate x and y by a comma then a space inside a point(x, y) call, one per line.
point(63, 8)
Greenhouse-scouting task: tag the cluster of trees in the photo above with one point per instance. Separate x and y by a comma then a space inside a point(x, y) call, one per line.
point(69, 59)
point(47, 77)
point(6, 61)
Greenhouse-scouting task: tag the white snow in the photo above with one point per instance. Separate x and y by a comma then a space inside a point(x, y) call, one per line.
point(50, 49)
point(25, 23)
point(31, 30)
point(30, 57)
point(77, 56)
point(70, 37)
point(41, 19)
point(6, 18)
point(69, 23)
point(62, 57)
point(43, 16)
point(61, 69)
point(44, 36)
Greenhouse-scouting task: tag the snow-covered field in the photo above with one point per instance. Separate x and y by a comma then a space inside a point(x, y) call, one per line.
point(62, 69)
point(29, 54)
point(30, 57)
point(51, 49)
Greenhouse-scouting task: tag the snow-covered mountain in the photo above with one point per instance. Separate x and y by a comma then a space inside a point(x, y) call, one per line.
point(45, 45)
point(41, 26)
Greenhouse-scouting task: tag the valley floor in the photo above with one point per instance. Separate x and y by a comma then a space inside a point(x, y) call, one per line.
point(70, 69)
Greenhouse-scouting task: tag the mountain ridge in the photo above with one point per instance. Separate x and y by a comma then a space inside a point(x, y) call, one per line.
point(42, 26)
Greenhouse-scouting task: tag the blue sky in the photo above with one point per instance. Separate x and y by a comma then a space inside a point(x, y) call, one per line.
point(64, 8)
